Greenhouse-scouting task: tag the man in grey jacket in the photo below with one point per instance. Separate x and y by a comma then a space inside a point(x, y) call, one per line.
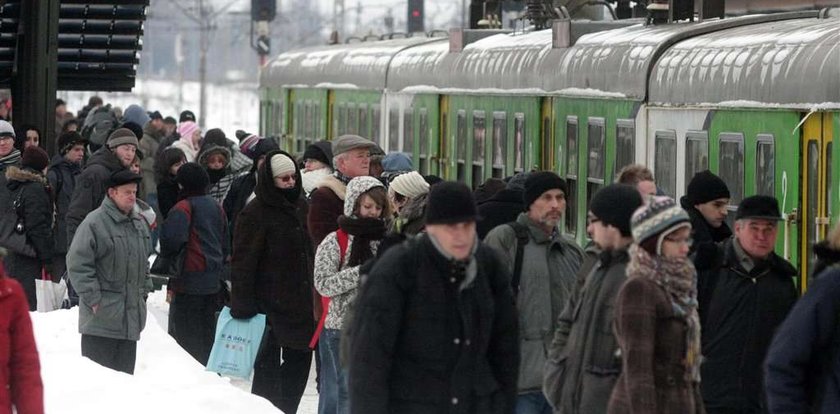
point(583, 361)
point(107, 264)
point(543, 264)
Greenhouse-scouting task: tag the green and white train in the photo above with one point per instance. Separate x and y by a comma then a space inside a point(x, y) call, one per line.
point(756, 99)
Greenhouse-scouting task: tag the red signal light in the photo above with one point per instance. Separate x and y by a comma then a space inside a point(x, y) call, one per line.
point(415, 13)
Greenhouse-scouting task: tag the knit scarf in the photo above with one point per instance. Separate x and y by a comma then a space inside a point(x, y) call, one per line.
point(364, 231)
point(11, 158)
point(341, 177)
point(679, 279)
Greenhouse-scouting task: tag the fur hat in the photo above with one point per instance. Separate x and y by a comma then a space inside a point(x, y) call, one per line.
point(193, 178)
point(655, 220)
point(35, 158)
point(282, 164)
point(410, 184)
point(705, 187)
point(614, 205)
point(450, 202)
point(539, 182)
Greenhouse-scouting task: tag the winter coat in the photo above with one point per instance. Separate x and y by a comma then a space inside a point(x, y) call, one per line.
point(272, 263)
point(91, 188)
point(199, 224)
point(502, 208)
point(38, 216)
point(220, 188)
point(237, 197)
point(547, 279)
point(739, 313)
point(167, 191)
point(325, 205)
point(62, 177)
point(239, 162)
point(653, 379)
point(333, 277)
point(20, 370)
point(705, 237)
point(803, 362)
point(425, 344)
point(108, 266)
point(11, 160)
point(190, 153)
point(149, 144)
point(826, 256)
point(585, 351)
point(311, 179)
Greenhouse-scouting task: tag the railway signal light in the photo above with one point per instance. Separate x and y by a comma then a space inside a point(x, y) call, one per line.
point(416, 15)
point(263, 10)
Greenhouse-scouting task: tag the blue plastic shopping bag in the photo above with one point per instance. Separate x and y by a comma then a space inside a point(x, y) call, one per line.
point(236, 345)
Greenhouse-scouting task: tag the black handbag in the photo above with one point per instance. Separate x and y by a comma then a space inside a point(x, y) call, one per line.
point(13, 230)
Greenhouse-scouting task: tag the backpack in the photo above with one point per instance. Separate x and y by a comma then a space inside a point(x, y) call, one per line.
point(521, 240)
point(99, 124)
point(343, 238)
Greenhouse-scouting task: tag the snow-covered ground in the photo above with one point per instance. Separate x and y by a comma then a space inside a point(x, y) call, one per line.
point(166, 379)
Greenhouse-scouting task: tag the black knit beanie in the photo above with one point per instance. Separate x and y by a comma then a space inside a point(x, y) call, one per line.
point(216, 136)
point(450, 202)
point(705, 187)
point(539, 182)
point(614, 205)
point(192, 178)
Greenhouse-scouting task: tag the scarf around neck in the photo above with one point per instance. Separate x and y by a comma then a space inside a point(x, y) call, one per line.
point(10, 158)
point(364, 231)
point(678, 278)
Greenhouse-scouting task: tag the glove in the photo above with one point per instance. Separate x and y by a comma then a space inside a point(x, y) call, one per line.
point(240, 313)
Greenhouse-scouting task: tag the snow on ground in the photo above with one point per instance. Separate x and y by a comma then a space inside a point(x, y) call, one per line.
point(166, 378)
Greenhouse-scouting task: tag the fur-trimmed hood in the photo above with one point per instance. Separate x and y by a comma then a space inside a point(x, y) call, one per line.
point(210, 149)
point(21, 175)
point(334, 184)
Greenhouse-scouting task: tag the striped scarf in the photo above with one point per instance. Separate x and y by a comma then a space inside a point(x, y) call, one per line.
point(11, 158)
point(679, 279)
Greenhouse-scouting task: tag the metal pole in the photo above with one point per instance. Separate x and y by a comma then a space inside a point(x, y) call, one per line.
point(202, 64)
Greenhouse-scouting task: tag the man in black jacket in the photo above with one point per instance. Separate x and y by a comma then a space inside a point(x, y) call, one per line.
point(436, 327)
point(706, 201)
point(63, 171)
point(744, 293)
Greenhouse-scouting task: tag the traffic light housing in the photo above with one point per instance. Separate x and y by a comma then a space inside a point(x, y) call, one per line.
point(416, 16)
point(263, 10)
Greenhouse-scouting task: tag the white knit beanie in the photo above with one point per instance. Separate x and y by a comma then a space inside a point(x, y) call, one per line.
point(281, 165)
point(410, 184)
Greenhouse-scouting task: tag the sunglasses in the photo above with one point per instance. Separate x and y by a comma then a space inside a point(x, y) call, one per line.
point(286, 178)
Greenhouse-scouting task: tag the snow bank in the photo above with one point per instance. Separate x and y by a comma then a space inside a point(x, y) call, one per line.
point(166, 380)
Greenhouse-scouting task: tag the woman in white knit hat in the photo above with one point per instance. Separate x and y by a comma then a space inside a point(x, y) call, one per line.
point(404, 188)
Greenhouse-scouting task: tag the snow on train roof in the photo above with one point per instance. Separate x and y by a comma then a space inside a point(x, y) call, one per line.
point(785, 63)
point(362, 65)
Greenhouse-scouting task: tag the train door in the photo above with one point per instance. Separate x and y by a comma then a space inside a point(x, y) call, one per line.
point(332, 120)
point(547, 148)
point(816, 187)
point(443, 150)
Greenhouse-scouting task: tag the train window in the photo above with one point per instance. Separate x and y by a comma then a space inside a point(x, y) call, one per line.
point(765, 165)
point(352, 119)
point(547, 144)
point(731, 166)
point(499, 143)
point(363, 121)
point(408, 131)
point(316, 123)
point(571, 173)
point(374, 123)
point(423, 137)
point(696, 154)
point(342, 120)
point(625, 143)
point(394, 129)
point(279, 116)
point(299, 135)
point(665, 161)
point(461, 148)
point(519, 142)
point(596, 158)
point(479, 135)
point(308, 116)
point(443, 145)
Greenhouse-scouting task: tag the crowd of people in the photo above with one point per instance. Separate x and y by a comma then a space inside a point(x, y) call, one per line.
point(413, 294)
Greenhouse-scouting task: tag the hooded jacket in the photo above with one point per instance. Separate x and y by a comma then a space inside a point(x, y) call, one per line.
point(12, 159)
point(271, 271)
point(38, 216)
point(739, 313)
point(548, 276)
point(108, 266)
point(62, 176)
point(220, 188)
point(502, 208)
point(91, 187)
point(333, 278)
point(20, 370)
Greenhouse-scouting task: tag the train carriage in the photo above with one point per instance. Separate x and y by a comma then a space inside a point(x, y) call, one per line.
point(755, 99)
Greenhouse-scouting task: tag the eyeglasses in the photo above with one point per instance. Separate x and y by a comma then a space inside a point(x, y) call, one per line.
point(688, 242)
point(4, 137)
point(286, 178)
